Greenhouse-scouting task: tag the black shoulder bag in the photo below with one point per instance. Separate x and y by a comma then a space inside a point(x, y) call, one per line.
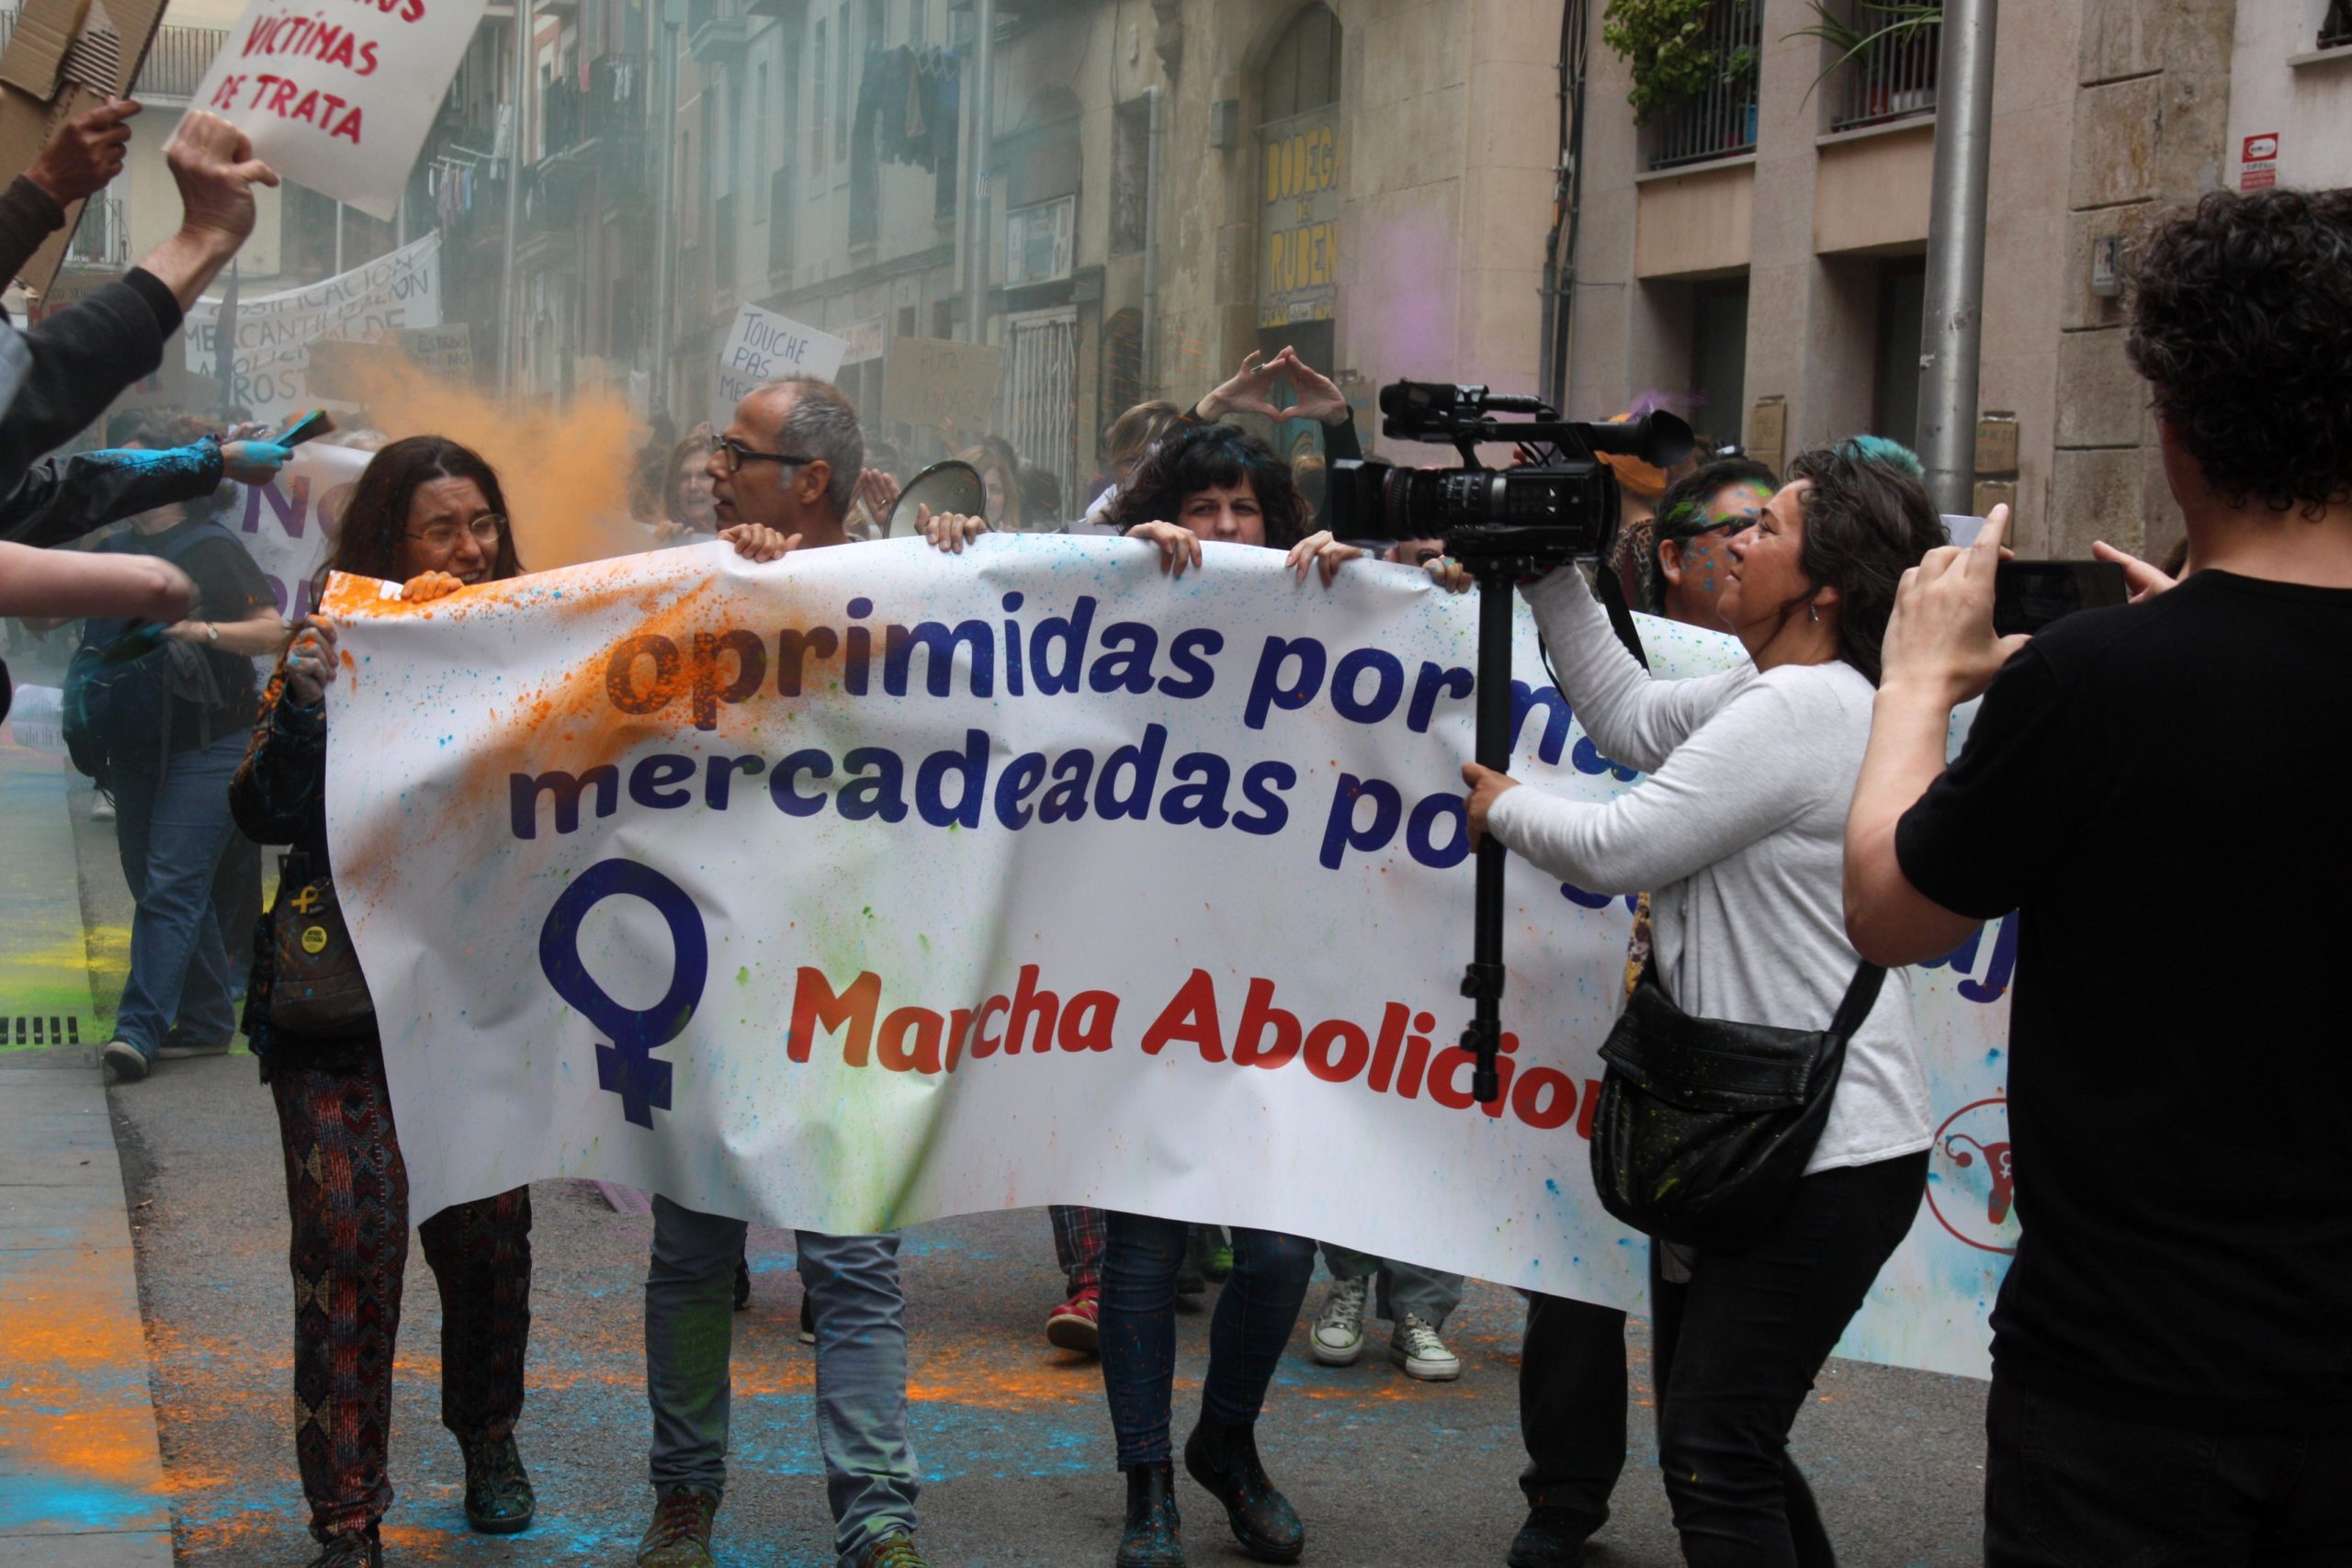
point(1704, 1125)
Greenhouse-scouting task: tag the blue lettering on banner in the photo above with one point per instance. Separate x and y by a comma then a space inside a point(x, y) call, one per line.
point(627, 1067)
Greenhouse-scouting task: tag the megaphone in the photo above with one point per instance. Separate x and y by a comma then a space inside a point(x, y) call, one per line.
point(949, 485)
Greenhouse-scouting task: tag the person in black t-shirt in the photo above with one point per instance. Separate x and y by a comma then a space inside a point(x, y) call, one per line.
point(172, 824)
point(2157, 788)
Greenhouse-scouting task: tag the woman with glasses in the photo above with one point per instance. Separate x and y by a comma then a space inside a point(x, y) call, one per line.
point(429, 512)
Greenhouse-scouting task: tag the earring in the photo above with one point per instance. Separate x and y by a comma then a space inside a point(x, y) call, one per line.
point(1813, 613)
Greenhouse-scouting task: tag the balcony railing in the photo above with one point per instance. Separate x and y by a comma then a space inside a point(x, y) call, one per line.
point(175, 64)
point(612, 105)
point(2335, 27)
point(1894, 77)
point(1721, 122)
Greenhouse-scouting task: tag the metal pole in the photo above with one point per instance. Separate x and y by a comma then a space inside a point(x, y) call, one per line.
point(665, 133)
point(976, 294)
point(508, 292)
point(1151, 246)
point(1953, 319)
point(338, 239)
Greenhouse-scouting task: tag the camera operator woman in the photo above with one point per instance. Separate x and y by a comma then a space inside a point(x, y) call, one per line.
point(430, 513)
point(1739, 832)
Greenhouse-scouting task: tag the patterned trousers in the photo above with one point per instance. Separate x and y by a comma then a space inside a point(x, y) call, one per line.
point(1077, 1245)
point(346, 1191)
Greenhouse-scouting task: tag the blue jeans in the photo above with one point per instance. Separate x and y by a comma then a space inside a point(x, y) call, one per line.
point(170, 830)
point(861, 1317)
point(1255, 1313)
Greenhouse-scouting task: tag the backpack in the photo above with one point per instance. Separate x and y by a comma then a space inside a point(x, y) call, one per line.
point(122, 683)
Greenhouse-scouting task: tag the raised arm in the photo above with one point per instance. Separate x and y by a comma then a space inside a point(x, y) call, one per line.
point(1633, 717)
point(1747, 771)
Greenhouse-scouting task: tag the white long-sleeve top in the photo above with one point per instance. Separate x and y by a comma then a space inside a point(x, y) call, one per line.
point(1739, 832)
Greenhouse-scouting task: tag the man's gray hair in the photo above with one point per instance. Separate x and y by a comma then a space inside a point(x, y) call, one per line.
point(824, 424)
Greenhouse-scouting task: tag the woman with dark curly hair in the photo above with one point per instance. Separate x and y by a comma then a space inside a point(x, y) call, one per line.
point(2158, 790)
point(1737, 833)
point(430, 513)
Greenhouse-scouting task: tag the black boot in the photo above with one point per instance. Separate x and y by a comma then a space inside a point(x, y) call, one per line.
point(1551, 1538)
point(1224, 1459)
point(499, 1500)
point(1150, 1539)
point(358, 1549)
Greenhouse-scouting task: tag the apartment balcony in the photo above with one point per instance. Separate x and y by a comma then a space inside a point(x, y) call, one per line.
point(1892, 77)
point(1720, 121)
point(596, 129)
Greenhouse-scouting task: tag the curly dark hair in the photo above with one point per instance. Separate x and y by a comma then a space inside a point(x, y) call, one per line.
point(1866, 524)
point(371, 537)
point(2241, 318)
point(1192, 458)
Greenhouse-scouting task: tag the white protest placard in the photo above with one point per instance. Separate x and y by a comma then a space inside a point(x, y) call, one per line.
point(275, 331)
point(288, 525)
point(761, 346)
point(340, 100)
point(874, 885)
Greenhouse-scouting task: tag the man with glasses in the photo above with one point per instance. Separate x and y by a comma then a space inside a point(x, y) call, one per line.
point(791, 459)
point(1696, 518)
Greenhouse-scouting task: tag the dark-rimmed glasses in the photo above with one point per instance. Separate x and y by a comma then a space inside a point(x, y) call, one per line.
point(734, 454)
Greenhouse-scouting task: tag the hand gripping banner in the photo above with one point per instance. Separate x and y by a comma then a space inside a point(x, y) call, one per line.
point(874, 885)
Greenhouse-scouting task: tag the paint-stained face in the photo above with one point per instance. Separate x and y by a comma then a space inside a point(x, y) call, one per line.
point(1766, 575)
point(451, 528)
point(1697, 566)
point(1227, 513)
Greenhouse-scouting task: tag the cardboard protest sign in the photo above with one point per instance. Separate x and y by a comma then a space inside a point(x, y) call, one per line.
point(1024, 876)
point(763, 346)
point(928, 381)
point(340, 101)
point(65, 56)
point(275, 332)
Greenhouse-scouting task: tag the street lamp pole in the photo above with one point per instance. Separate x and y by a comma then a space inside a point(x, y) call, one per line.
point(508, 291)
point(1953, 323)
point(975, 298)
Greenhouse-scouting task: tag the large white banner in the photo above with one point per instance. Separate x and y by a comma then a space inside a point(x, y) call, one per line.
point(340, 99)
point(874, 885)
point(274, 331)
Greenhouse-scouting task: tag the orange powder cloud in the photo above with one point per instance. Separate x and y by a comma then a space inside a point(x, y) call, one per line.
point(565, 473)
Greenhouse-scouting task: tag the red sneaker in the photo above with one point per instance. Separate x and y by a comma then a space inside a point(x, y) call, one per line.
point(1073, 1324)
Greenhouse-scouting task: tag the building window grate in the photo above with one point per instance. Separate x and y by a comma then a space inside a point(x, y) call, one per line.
point(1891, 74)
point(1721, 122)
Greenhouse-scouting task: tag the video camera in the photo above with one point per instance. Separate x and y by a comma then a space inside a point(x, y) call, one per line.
point(1561, 504)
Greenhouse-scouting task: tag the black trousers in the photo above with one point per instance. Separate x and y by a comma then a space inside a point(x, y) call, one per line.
point(2066, 1487)
point(1736, 1351)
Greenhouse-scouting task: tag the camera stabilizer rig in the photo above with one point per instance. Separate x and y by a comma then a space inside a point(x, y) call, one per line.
point(1504, 526)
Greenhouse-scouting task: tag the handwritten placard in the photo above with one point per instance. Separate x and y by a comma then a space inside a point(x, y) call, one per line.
point(763, 346)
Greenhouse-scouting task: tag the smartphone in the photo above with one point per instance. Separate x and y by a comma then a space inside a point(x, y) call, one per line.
point(2029, 594)
point(317, 422)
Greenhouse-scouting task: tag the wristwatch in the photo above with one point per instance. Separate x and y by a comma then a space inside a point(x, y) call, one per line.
point(212, 631)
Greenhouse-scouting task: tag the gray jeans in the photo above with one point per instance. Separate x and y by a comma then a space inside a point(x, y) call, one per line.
point(1426, 1293)
point(852, 1286)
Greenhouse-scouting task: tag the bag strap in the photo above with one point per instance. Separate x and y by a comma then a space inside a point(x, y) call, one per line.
point(1860, 996)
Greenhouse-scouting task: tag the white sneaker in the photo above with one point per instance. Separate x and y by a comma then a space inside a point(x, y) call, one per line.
point(102, 810)
point(1416, 1348)
point(1338, 1339)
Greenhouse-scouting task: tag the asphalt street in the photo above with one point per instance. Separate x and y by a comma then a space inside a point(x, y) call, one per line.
point(1013, 1435)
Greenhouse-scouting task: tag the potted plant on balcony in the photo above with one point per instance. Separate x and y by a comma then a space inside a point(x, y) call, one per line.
point(1671, 51)
point(1908, 36)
